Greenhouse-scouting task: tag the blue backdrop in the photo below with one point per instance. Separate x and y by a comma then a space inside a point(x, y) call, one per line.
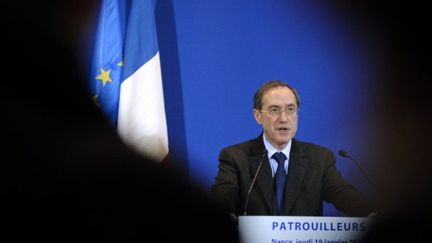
point(216, 54)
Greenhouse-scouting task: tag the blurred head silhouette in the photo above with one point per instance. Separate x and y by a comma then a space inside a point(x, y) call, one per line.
point(402, 115)
point(65, 175)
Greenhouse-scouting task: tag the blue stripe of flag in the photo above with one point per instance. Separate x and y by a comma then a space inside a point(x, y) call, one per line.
point(141, 39)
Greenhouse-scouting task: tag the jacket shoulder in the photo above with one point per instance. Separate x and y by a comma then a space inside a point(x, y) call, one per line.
point(312, 147)
point(245, 146)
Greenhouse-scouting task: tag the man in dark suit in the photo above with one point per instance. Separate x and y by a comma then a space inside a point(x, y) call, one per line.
point(308, 171)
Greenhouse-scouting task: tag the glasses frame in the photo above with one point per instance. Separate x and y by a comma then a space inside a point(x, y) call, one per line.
point(277, 111)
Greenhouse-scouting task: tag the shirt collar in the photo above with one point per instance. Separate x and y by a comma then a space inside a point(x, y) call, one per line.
point(271, 150)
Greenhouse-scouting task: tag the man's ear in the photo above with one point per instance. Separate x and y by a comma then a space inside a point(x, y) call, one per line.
point(257, 114)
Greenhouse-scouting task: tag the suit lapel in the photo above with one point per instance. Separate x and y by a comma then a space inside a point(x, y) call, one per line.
point(264, 181)
point(296, 171)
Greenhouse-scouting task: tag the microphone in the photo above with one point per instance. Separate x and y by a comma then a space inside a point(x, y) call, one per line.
point(345, 154)
point(264, 153)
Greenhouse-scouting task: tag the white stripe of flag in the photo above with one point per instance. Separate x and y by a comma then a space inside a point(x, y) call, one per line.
point(141, 120)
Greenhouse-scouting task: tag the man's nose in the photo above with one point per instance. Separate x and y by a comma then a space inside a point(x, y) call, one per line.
point(283, 117)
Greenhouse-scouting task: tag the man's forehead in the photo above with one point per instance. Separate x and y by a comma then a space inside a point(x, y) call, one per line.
point(278, 89)
point(282, 105)
point(279, 95)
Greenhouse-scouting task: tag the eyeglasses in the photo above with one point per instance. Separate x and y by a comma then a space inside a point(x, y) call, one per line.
point(277, 111)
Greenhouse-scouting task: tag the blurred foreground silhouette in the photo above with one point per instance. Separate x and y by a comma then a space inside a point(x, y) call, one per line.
point(65, 175)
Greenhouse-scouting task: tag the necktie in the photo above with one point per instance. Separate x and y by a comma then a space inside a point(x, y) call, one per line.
point(280, 178)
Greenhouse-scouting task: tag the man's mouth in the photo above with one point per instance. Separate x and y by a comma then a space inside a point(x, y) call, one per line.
point(282, 129)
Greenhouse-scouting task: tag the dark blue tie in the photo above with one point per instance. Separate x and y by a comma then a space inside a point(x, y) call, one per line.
point(280, 178)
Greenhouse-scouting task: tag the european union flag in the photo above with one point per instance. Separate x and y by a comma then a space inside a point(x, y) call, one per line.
point(108, 58)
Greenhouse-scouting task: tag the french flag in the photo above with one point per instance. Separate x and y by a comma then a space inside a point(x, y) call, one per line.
point(126, 76)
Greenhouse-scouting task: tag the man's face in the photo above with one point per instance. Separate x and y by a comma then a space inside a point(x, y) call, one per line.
point(279, 129)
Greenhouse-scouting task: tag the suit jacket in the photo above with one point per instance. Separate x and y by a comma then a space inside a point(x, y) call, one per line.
point(312, 178)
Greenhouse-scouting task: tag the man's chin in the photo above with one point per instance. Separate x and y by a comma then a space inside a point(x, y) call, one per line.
point(283, 142)
point(284, 139)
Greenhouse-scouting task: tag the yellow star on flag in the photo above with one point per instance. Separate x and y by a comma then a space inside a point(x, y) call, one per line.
point(104, 76)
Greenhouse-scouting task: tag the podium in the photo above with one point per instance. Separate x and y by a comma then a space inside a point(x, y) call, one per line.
point(300, 229)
